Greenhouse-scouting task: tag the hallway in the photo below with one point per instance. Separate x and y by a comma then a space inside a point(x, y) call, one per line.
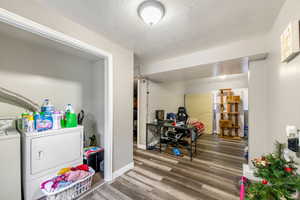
point(212, 175)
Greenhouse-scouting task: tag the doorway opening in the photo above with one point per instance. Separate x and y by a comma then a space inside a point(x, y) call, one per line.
point(196, 90)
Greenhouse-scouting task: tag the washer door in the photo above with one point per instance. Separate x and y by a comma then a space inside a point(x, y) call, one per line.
point(55, 150)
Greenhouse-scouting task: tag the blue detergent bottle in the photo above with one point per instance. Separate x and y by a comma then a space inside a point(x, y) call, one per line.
point(47, 107)
point(44, 120)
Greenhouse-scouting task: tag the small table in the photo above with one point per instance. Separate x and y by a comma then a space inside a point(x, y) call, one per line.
point(159, 127)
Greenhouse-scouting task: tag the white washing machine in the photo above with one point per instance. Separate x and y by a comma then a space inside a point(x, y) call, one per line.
point(10, 161)
point(45, 153)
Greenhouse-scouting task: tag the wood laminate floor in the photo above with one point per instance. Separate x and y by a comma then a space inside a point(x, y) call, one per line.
point(212, 175)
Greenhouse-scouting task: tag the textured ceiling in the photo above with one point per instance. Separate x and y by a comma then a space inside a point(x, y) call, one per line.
point(188, 25)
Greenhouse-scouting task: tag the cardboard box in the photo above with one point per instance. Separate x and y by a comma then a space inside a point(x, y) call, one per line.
point(226, 124)
point(233, 99)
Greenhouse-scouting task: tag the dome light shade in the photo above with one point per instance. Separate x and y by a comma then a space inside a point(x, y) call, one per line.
point(151, 11)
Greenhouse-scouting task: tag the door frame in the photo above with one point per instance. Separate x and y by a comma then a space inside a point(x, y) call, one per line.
point(143, 112)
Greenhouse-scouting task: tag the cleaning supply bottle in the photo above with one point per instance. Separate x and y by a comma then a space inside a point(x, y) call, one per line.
point(47, 107)
point(37, 119)
point(56, 120)
point(45, 123)
point(69, 108)
point(24, 121)
point(30, 127)
point(63, 119)
point(27, 122)
point(71, 117)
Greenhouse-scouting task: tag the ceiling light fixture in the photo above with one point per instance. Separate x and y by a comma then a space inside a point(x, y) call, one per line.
point(151, 11)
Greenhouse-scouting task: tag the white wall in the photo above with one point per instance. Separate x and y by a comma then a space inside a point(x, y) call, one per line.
point(165, 96)
point(38, 72)
point(253, 46)
point(142, 112)
point(122, 67)
point(210, 84)
point(98, 99)
point(283, 79)
point(258, 128)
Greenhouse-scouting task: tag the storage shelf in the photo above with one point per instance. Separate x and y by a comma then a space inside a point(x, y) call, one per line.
point(229, 121)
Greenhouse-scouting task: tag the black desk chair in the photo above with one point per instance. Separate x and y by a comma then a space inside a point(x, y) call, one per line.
point(182, 116)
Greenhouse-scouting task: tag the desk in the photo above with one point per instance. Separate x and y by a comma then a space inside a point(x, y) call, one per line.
point(160, 127)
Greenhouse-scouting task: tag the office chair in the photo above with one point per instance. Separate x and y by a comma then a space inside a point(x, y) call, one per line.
point(182, 116)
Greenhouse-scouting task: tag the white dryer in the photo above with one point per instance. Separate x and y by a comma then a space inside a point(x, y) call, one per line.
point(10, 158)
point(45, 153)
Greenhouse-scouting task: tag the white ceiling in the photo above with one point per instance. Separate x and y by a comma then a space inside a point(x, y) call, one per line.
point(229, 67)
point(189, 25)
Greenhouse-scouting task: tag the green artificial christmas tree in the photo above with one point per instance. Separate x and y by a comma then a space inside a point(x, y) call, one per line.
point(280, 180)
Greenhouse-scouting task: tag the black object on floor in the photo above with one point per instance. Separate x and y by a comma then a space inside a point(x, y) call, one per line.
point(94, 160)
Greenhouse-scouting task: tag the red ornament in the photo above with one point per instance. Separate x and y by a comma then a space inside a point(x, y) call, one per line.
point(265, 182)
point(288, 169)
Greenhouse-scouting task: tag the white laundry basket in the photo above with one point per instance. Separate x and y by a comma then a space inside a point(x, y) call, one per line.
point(73, 190)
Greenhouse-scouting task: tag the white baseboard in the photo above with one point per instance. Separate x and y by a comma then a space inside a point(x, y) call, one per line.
point(123, 170)
point(141, 146)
